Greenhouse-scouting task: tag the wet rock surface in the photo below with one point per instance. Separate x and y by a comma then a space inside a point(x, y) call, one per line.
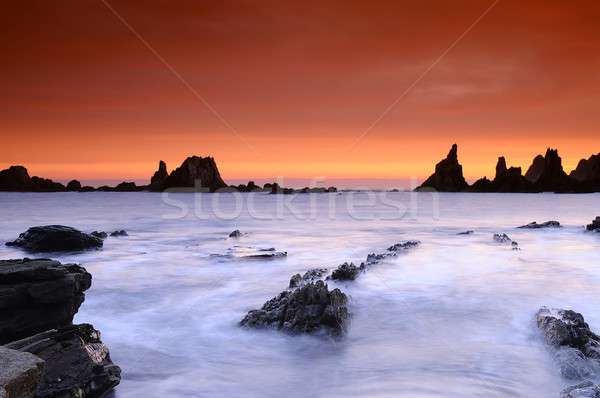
point(51, 238)
point(547, 224)
point(311, 308)
point(119, 232)
point(577, 348)
point(249, 253)
point(20, 373)
point(37, 295)
point(77, 363)
point(584, 390)
point(99, 234)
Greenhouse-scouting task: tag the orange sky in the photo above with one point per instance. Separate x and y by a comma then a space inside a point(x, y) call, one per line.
point(299, 81)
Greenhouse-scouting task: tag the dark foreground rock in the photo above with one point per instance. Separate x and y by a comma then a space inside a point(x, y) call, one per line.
point(311, 308)
point(594, 226)
point(77, 363)
point(577, 348)
point(505, 239)
point(20, 373)
point(51, 238)
point(547, 224)
point(119, 232)
point(37, 295)
point(99, 234)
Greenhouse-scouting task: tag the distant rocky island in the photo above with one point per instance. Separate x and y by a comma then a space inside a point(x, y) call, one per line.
point(195, 173)
point(546, 174)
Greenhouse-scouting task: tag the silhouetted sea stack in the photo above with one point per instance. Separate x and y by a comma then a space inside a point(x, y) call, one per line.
point(535, 170)
point(196, 172)
point(588, 172)
point(553, 177)
point(16, 178)
point(448, 176)
point(157, 181)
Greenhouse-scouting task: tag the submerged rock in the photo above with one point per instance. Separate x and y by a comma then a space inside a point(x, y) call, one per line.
point(77, 363)
point(235, 234)
point(309, 276)
point(469, 232)
point(503, 238)
point(20, 373)
point(409, 244)
point(51, 238)
point(594, 226)
point(99, 234)
point(249, 253)
point(120, 232)
point(547, 224)
point(37, 295)
point(347, 272)
point(311, 308)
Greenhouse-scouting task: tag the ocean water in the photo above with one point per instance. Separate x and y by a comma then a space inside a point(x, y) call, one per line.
point(451, 318)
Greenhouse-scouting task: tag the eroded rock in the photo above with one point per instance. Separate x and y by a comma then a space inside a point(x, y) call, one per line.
point(20, 373)
point(309, 276)
point(535, 225)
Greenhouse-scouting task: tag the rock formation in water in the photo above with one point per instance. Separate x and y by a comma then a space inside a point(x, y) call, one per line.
point(553, 177)
point(587, 173)
point(448, 175)
point(196, 172)
point(310, 308)
point(157, 181)
point(594, 226)
point(16, 178)
point(38, 295)
point(74, 185)
point(38, 299)
point(576, 347)
point(50, 238)
point(535, 170)
point(535, 225)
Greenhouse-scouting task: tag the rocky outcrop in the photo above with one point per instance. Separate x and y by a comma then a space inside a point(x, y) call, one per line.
point(196, 172)
point(157, 181)
point(77, 363)
point(119, 232)
point(20, 373)
point(536, 169)
point(553, 178)
point(16, 178)
point(576, 348)
point(594, 226)
point(448, 176)
point(74, 185)
point(311, 308)
point(51, 238)
point(587, 169)
point(37, 295)
point(506, 180)
point(99, 234)
point(535, 225)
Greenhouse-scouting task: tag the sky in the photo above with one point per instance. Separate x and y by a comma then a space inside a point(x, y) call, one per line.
point(104, 89)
